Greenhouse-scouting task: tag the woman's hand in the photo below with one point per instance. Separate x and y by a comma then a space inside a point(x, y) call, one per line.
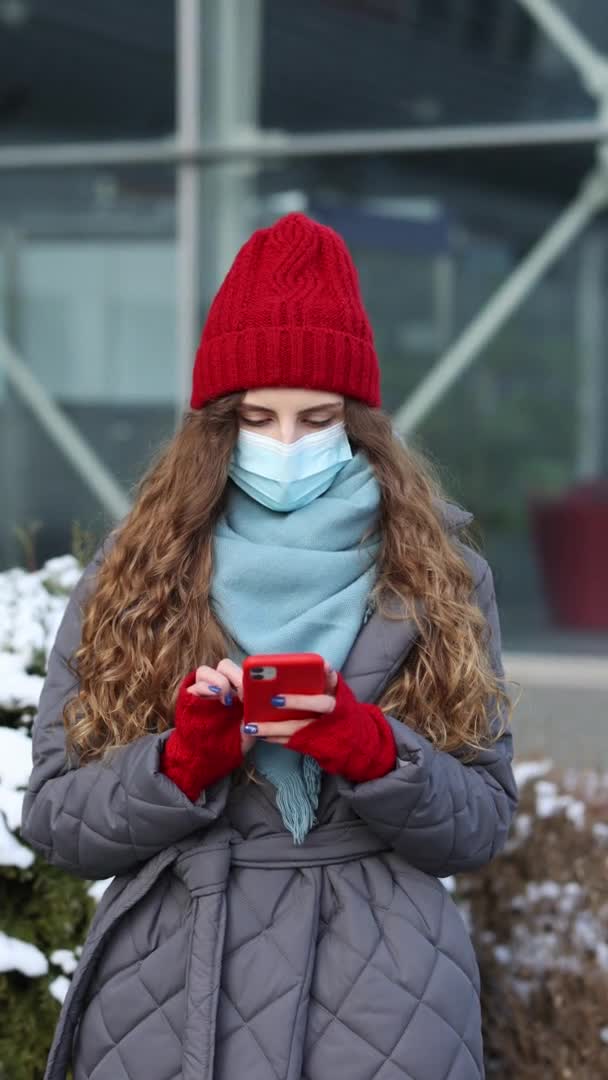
point(320, 704)
point(345, 736)
point(225, 682)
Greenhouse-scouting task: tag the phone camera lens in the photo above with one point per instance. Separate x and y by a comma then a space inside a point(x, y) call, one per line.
point(261, 676)
point(256, 669)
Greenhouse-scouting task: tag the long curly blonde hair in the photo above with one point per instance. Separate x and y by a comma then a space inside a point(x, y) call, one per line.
point(148, 619)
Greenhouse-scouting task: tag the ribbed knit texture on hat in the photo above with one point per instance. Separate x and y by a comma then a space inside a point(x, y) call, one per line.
point(289, 313)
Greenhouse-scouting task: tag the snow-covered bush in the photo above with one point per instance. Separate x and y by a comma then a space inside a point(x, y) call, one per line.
point(539, 914)
point(44, 913)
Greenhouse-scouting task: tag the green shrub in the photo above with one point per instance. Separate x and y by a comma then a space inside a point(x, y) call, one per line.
point(44, 912)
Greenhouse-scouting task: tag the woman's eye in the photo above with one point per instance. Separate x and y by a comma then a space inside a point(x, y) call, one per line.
point(260, 423)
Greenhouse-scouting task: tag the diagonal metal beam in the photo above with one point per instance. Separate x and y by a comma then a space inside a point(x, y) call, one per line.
point(591, 65)
point(64, 433)
point(507, 298)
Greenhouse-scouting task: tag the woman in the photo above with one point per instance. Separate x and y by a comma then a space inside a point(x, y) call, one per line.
point(276, 910)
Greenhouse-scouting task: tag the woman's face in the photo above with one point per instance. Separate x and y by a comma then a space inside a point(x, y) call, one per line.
point(287, 413)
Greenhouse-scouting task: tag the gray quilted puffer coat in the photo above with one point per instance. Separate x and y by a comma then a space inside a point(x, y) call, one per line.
point(221, 951)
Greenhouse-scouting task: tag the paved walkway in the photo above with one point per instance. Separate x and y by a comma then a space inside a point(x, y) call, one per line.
point(563, 707)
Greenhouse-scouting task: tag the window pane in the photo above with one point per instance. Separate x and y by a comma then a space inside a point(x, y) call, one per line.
point(87, 284)
point(77, 69)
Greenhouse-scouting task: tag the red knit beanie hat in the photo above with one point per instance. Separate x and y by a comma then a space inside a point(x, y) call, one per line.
point(289, 313)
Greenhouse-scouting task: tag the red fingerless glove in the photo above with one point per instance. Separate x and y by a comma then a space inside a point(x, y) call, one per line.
point(205, 744)
point(355, 740)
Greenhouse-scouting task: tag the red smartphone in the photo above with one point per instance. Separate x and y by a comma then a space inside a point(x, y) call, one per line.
point(267, 674)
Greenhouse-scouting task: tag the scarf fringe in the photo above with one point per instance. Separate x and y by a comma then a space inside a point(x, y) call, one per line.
point(311, 774)
point(295, 808)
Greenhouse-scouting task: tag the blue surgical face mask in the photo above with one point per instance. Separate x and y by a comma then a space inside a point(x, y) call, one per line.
point(285, 476)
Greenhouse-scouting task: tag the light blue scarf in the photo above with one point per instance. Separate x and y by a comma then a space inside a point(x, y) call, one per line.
point(297, 582)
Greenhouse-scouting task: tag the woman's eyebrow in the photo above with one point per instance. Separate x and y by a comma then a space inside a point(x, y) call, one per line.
point(302, 412)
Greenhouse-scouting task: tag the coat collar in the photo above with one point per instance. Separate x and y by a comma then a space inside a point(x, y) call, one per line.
point(382, 644)
point(454, 517)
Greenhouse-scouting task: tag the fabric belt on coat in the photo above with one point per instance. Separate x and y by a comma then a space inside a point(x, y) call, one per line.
point(325, 845)
point(203, 862)
point(205, 871)
point(200, 865)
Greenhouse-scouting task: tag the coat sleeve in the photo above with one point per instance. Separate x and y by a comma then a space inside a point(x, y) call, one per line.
point(442, 815)
point(102, 818)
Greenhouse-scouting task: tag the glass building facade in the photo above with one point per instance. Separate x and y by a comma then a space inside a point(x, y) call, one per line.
point(96, 239)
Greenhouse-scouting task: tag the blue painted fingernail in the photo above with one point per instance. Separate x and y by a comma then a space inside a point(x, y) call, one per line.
point(215, 689)
point(278, 700)
point(228, 699)
point(250, 729)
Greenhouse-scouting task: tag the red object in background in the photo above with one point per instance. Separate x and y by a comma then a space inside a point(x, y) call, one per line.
point(571, 534)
